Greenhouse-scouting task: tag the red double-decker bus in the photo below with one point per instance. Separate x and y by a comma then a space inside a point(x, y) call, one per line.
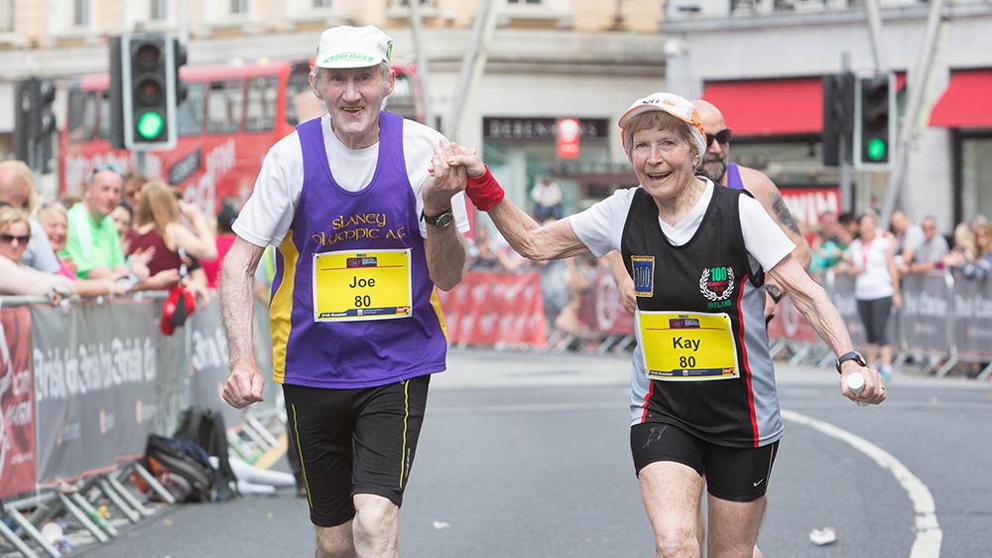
point(226, 124)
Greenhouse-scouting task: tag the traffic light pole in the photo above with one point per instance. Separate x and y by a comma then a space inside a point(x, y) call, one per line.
point(914, 107)
point(846, 178)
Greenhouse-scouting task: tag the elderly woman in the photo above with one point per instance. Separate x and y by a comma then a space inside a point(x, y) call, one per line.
point(704, 402)
point(15, 277)
point(55, 223)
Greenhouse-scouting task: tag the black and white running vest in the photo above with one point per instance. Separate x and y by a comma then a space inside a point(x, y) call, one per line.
point(703, 362)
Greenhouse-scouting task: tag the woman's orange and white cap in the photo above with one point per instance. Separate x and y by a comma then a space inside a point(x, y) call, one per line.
point(677, 106)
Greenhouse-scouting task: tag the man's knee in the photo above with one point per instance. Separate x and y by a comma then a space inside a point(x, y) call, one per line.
point(374, 515)
point(677, 543)
point(335, 542)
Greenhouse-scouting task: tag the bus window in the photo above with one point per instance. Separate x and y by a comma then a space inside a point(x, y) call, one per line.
point(104, 115)
point(225, 104)
point(260, 108)
point(82, 115)
point(189, 116)
point(301, 103)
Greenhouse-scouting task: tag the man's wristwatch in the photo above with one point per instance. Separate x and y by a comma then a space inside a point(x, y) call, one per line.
point(441, 221)
point(852, 355)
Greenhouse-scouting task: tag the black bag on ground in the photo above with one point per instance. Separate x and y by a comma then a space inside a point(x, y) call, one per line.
point(170, 456)
point(206, 428)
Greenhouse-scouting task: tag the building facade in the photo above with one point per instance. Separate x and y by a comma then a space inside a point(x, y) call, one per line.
point(546, 60)
point(762, 61)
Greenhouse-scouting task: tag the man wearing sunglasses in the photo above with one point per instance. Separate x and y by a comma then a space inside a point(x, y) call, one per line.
point(718, 168)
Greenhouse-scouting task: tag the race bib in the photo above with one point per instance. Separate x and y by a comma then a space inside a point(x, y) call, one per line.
point(687, 347)
point(356, 286)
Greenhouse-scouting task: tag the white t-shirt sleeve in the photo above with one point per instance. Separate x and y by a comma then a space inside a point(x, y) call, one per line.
point(763, 239)
point(418, 150)
point(268, 213)
point(600, 227)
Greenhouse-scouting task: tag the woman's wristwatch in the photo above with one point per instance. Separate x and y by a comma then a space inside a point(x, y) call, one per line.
point(851, 355)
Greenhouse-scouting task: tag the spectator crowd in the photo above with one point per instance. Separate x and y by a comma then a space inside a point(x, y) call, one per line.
point(125, 233)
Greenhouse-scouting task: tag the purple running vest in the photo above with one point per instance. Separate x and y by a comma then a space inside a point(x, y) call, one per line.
point(349, 355)
point(734, 181)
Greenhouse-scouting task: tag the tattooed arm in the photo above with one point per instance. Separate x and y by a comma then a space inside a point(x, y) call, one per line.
point(767, 193)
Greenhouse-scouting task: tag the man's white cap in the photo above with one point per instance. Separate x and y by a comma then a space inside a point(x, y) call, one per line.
point(673, 104)
point(353, 47)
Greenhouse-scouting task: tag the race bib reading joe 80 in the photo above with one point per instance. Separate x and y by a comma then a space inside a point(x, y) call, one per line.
point(357, 286)
point(687, 347)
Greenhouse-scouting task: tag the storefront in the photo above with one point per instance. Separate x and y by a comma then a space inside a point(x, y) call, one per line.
point(520, 151)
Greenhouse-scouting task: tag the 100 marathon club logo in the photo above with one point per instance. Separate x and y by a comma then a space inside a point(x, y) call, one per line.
point(717, 284)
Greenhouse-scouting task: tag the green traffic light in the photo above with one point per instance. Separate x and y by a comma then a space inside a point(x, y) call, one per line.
point(150, 125)
point(876, 149)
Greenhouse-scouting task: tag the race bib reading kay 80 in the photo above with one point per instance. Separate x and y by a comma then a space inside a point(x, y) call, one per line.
point(687, 347)
point(368, 285)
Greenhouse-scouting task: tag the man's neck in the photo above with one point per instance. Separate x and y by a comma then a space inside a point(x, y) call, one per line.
point(94, 213)
point(361, 140)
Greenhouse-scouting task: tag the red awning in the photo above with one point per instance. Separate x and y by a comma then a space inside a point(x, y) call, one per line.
point(965, 102)
point(773, 107)
point(769, 107)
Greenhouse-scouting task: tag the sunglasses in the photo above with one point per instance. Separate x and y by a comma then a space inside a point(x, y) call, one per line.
point(10, 238)
point(723, 137)
point(101, 167)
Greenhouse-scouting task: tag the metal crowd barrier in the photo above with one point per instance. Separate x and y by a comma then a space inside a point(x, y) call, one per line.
point(944, 322)
point(82, 385)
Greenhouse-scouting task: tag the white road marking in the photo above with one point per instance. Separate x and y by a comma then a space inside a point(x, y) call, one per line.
point(928, 533)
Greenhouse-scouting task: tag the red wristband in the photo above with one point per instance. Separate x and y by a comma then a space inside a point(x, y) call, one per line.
point(484, 191)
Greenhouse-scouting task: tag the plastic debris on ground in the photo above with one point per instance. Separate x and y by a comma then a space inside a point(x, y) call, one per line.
point(823, 537)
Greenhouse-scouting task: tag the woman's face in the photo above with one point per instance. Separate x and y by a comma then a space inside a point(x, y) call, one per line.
point(663, 162)
point(122, 218)
point(14, 240)
point(984, 239)
point(867, 227)
point(56, 227)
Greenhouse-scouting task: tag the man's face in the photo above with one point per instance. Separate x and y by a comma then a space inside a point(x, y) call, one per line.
point(103, 193)
point(354, 98)
point(717, 154)
point(898, 222)
point(929, 228)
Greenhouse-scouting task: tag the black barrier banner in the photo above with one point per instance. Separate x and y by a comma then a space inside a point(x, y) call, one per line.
point(973, 317)
point(926, 307)
point(17, 444)
point(841, 290)
point(210, 362)
point(95, 370)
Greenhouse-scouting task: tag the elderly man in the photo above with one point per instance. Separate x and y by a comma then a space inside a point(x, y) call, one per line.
point(929, 252)
point(17, 190)
point(364, 234)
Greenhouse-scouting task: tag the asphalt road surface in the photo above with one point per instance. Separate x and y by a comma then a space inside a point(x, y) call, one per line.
point(527, 455)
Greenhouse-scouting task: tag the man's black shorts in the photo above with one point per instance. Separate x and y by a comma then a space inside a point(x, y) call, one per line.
point(355, 441)
point(735, 474)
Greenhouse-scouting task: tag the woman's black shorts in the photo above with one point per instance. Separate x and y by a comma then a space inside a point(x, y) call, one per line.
point(735, 474)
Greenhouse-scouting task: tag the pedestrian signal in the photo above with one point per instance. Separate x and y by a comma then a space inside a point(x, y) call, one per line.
point(875, 121)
